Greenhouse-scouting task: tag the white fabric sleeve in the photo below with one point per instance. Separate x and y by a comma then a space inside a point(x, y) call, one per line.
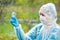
point(31, 35)
point(21, 35)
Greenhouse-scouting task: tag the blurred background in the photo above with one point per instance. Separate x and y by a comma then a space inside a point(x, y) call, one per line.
point(26, 13)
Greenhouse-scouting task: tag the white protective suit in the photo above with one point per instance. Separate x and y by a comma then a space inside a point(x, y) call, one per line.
point(46, 30)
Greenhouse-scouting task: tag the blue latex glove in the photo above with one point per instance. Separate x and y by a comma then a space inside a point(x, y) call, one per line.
point(14, 21)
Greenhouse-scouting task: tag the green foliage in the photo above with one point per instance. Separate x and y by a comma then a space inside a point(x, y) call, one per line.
point(7, 32)
point(25, 9)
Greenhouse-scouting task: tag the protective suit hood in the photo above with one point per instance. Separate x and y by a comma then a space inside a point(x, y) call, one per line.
point(48, 9)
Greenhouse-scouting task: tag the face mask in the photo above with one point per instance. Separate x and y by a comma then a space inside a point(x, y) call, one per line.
point(43, 20)
point(46, 19)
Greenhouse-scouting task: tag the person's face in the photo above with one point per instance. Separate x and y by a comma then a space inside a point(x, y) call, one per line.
point(45, 18)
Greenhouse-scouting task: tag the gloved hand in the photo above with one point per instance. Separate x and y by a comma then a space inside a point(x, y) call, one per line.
point(14, 21)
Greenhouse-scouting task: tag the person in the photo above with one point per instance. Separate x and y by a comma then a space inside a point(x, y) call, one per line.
point(48, 29)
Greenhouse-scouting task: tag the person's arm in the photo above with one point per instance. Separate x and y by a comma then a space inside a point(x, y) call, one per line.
point(31, 35)
point(20, 33)
point(17, 27)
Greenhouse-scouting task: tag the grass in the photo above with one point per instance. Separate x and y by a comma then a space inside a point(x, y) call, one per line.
point(7, 31)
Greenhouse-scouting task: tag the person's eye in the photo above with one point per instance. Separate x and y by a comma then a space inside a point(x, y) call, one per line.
point(42, 14)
